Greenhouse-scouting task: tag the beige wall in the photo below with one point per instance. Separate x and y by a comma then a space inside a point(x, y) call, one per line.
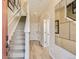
point(67, 36)
point(34, 24)
point(36, 27)
point(23, 7)
point(38, 11)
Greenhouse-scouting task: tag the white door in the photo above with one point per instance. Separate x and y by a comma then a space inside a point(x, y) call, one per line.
point(46, 32)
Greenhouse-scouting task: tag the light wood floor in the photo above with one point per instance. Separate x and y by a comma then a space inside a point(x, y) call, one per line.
point(37, 51)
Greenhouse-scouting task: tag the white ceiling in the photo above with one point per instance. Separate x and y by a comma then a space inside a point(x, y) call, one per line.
point(38, 6)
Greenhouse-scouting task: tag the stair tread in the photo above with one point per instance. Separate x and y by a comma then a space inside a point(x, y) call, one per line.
point(16, 43)
point(16, 58)
point(17, 48)
point(19, 36)
point(15, 40)
point(19, 54)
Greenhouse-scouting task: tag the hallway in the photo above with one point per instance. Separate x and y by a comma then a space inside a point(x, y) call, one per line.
point(37, 51)
point(17, 44)
point(46, 33)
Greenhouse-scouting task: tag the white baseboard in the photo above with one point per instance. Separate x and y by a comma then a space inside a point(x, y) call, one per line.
point(27, 45)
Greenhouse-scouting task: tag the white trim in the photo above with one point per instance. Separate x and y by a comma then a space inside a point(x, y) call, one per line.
point(26, 45)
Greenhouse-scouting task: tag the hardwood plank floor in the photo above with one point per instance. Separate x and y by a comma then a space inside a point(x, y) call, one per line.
point(37, 51)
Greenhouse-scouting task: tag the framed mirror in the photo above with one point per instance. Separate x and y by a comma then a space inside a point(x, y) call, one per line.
point(71, 10)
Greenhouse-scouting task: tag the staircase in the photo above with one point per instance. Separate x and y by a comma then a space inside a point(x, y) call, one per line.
point(17, 44)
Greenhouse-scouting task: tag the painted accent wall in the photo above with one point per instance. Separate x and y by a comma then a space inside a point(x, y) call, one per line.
point(4, 28)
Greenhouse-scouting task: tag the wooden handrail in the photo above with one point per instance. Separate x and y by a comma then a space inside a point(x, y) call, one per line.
point(12, 5)
point(71, 18)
